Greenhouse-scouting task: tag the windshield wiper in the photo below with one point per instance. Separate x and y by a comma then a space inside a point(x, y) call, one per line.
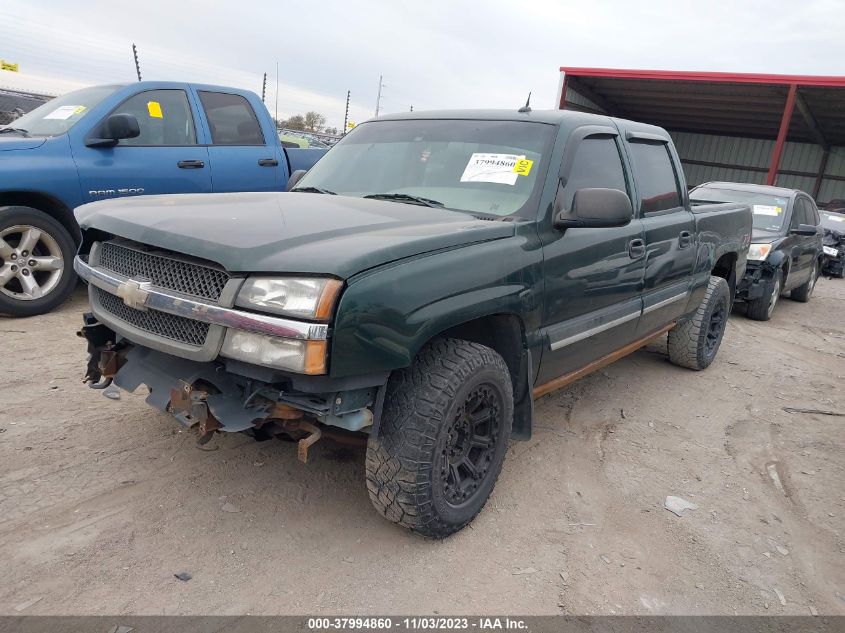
point(404, 197)
point(314, 190)
point(19, 130)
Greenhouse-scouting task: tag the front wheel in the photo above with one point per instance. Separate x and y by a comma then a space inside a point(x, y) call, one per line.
point(443, 437)
point(762, 308)
point(803, 292)
point(36, 255)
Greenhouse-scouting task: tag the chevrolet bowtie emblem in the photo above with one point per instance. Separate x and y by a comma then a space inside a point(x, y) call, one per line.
point(134, 294)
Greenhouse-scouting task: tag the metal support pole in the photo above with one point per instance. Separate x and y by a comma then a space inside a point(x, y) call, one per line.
point(774, 164)
point(822, 168)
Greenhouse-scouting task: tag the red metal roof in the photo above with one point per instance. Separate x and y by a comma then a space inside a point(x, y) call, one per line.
point(716, 77)
point(731, 104)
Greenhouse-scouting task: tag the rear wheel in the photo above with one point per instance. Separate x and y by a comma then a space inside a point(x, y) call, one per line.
point(762, 308)
point(804, 292)
point(694, 343)
point(36, 255)
point(443, 437)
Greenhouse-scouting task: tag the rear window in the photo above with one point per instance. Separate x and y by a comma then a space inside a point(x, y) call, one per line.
point(656, 179)
point(231, 119)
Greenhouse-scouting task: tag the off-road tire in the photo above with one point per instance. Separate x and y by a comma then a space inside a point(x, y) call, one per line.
point(762, 308)
point(408, 461)
point(59, 291)
point(803, 292)
point(694, 343)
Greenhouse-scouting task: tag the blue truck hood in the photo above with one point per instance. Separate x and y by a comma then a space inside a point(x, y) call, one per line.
point(288, 232)
point(11, 141)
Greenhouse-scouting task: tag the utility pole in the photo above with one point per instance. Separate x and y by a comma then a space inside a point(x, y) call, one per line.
point(378, 99)
point(264, 88)
point(137, 65)
point(346, 115)
point(277, 95)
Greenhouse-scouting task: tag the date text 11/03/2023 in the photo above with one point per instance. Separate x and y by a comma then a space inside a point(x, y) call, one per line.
point(418, 623)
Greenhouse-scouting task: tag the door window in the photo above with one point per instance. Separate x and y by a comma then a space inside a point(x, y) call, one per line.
point(596, 164)
point(231, 119)
point(801, 214)
point(656, 179)
point(164, 118)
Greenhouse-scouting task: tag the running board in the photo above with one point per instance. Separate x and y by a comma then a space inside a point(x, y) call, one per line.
point(604, 361)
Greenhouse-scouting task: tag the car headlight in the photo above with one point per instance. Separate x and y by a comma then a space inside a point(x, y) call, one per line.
point(305, 357)
point(829, 250)
point(759, 252)
point(303, 297)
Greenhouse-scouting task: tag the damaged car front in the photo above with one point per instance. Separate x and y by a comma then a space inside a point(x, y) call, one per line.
point(225, 305)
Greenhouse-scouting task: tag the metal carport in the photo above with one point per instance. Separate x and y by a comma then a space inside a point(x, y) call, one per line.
point(787, 130)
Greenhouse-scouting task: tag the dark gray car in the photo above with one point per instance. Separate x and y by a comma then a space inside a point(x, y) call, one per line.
point(786, 243)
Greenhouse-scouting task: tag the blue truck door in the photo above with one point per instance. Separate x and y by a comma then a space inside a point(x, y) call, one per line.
point(593, 276)
point(164, 158)
point(242, 157)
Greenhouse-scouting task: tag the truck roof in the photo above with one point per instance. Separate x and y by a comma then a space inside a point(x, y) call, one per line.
point(750, 187)
point(552, 117)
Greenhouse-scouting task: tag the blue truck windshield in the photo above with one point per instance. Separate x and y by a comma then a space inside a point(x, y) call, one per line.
point(62, 113)
point(489, 167)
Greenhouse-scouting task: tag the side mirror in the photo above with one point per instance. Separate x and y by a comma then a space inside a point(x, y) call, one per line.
point(115, 128)
point(803, 229)
point(596, 208)
point(295, 177)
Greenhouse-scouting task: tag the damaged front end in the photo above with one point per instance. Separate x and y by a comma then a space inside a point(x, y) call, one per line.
point(758, 278)
point(211, 398)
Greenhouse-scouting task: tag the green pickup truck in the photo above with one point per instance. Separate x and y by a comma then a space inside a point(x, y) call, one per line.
point(418, 288)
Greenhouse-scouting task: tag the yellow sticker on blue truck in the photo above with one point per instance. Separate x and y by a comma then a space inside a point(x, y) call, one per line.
point(154, 109)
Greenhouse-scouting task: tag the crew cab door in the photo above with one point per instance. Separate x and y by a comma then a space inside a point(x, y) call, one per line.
point(593, 276)
point(244, 155)
point(669, 228)
point(164, 158)
point(803, 249)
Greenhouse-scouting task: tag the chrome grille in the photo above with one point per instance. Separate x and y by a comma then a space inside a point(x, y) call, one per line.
point(164, 269)
point(162, 324)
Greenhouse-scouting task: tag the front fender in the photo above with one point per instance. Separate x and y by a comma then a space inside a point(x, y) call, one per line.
point(387, 315)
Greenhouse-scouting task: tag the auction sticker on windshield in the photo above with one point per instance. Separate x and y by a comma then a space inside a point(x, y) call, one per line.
point(65, 112)
point(498, 168)
point(765, 209)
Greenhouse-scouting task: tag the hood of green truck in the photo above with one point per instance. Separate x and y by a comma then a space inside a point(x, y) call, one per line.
point(288, 232)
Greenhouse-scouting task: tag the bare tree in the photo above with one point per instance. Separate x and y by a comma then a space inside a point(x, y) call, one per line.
point(314, 121)
point(296, 122)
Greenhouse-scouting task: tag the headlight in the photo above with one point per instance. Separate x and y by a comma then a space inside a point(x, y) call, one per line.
point(828, 250)
point(305, 357)
point(303, 297)
point(759, 251)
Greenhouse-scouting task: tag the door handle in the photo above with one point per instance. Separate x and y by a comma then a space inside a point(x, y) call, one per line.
point(268, 162)
point(636, 248)
point(190, 164)
point(684, 239)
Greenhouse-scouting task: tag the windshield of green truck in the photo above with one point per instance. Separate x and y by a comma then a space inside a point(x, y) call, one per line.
point(767, 211)
point(489, 167)
point(62, 113)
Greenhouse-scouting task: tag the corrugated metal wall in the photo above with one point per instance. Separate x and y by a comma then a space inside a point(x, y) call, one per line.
point(756, 153)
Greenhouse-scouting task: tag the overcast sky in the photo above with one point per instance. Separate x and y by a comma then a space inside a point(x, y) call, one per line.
point(433, 53)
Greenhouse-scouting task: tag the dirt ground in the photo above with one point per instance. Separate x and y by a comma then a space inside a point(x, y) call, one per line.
point(103, 501)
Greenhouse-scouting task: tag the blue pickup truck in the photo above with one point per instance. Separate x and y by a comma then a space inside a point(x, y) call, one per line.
point(114, 141)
